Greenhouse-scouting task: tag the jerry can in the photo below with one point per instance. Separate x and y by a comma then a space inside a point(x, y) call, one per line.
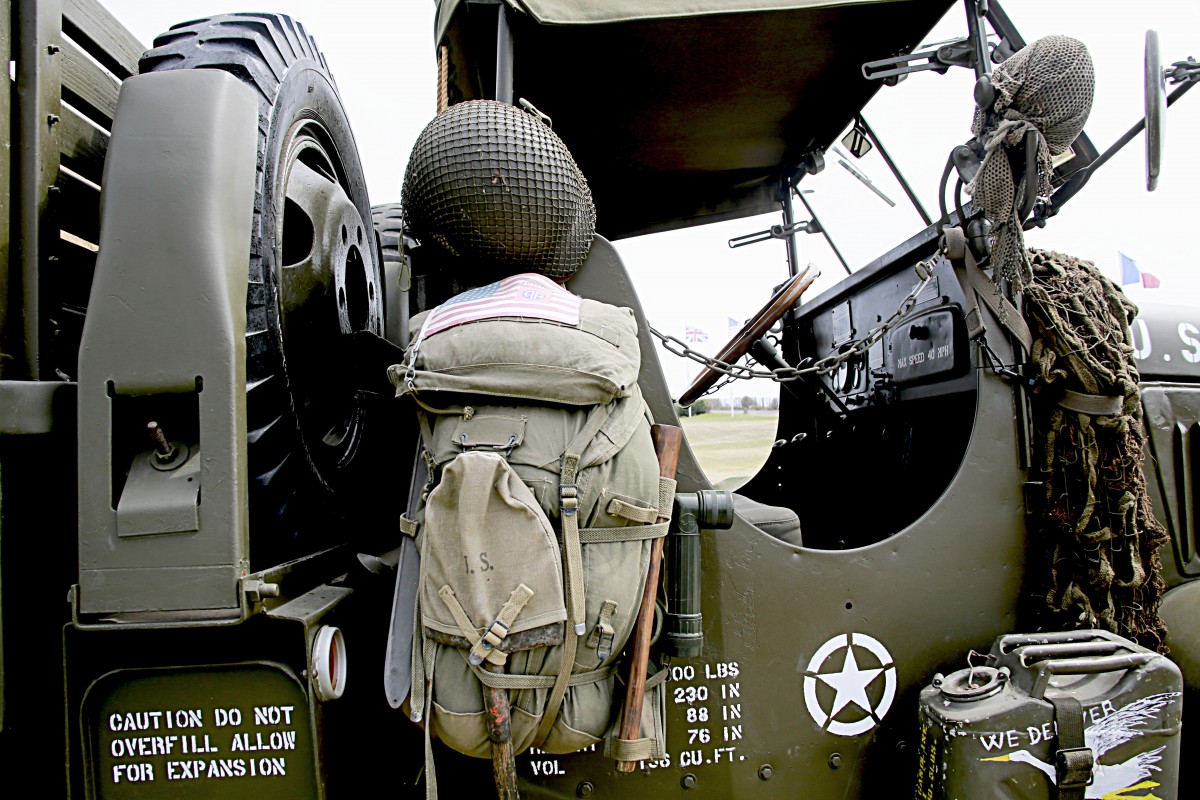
point(1071, 715)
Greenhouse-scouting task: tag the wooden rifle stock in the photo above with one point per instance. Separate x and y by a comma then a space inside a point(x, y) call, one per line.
point(667, 441)
point(752, 331)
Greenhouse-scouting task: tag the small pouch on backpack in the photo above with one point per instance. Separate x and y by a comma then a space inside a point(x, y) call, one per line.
point(653, 741)
point(491, 571)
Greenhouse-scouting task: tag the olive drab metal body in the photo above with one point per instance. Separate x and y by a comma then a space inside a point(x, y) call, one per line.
point(205, 589)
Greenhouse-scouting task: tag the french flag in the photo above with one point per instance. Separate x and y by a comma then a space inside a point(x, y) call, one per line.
point(1131, 274)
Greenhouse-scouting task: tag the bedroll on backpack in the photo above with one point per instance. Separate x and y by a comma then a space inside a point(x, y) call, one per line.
point(536, 522)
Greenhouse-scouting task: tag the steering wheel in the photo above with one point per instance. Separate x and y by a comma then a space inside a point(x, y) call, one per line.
point(751, 332)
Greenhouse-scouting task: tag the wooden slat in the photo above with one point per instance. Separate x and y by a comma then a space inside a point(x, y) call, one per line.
point(78, 207)
point(99, 33)
point(89, 83)
point(73, 274)
point(82, 145)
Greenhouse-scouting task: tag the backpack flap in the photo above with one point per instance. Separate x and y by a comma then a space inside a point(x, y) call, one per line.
point(492, 579)
point(508, 351)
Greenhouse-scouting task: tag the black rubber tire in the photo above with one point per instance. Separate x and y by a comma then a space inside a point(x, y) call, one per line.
point(296, 480)
point(389, 227)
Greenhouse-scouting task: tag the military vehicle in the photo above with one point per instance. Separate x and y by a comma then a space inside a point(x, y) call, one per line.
point(202, 464)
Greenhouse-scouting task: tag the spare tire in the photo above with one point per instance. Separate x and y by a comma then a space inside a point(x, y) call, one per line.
point(314, 275)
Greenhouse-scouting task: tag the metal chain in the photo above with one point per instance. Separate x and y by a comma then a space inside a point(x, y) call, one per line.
point(824, 366)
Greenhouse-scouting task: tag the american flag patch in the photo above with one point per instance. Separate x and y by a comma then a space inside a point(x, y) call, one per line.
point(527, 295)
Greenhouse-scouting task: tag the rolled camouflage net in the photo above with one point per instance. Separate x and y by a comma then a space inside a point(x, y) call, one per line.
point(1047, 85)
point(1099, 536)
point(497, 191)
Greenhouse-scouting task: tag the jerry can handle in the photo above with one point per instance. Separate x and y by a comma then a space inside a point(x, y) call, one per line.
point(1085, 666)
point(1032, 654)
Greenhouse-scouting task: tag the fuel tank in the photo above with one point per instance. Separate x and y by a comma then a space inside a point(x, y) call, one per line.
point(1081, 714)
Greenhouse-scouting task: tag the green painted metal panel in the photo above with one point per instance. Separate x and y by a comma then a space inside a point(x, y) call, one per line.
point(238, 732)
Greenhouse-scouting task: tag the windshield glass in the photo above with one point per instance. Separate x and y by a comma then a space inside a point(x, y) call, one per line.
point(694, 287)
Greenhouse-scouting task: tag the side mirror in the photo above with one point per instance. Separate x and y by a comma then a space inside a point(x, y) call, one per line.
point(1156, 110)
point(857, 142)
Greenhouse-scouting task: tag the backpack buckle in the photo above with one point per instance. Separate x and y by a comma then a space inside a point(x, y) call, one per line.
point(490, 640)
point(603, 635)
point(568, 498)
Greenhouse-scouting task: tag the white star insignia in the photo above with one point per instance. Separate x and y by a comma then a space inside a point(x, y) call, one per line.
point(851, 684)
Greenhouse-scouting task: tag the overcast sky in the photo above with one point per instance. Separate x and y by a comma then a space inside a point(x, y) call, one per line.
point(382, 56)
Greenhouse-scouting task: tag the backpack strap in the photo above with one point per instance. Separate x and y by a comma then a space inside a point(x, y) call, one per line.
point(504, 680)
point(487, 646)
point(633, 533)
point(568, 498)
point(619, 508)
point(641, 749)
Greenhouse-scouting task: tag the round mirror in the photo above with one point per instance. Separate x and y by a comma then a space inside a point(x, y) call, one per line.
point(1156, 110)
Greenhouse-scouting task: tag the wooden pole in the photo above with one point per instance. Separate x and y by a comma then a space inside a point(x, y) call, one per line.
point(504, 761)
point(667, 441)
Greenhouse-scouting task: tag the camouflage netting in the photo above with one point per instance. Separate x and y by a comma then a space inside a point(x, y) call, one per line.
point(497, 191)
point(1047, 85)
point(1095, 522)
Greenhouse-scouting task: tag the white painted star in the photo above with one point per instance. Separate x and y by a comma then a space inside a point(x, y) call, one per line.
point(851, 684)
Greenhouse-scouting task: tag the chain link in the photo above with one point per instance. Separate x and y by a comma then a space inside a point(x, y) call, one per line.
point(824, 366)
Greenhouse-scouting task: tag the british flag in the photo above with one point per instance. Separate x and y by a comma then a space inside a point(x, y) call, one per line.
point(526, 295)
point(693, 334)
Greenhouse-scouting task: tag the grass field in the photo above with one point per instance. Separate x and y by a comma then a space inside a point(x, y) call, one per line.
point(730, 448)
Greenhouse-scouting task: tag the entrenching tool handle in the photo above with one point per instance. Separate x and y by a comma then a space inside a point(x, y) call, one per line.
point(667, 441)
point(504, 761)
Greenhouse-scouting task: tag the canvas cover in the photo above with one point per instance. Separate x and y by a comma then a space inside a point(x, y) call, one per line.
point(592, 12)
point(684, 113)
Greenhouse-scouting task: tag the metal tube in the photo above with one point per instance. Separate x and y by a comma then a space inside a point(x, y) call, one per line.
point(683, 627)
point(683, 623)
point(793, 256)
point(38, 113)
point(504, 57)
point(978, 38)
point(824, 232)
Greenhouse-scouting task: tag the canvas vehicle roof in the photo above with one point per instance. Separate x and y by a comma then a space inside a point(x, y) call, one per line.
point(682, 113)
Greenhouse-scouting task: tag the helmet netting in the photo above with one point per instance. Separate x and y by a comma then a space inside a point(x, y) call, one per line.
point(1047, 85)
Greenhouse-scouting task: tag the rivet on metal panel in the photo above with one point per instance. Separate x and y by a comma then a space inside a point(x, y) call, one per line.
point(688, 781)
point(835, 761)
point(584, 789)
point(765, 772)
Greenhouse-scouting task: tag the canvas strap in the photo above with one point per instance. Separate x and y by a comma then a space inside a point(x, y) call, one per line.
point(1095, 405)
point(568, 494)
point(978, 286)
point(1074, 760)
point(644, 747)
point(504, 680)
point(487, 646)
point(620, 508)
point(633, 533)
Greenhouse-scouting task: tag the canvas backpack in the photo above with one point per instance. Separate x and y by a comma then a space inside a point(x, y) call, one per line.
point(536, 521)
